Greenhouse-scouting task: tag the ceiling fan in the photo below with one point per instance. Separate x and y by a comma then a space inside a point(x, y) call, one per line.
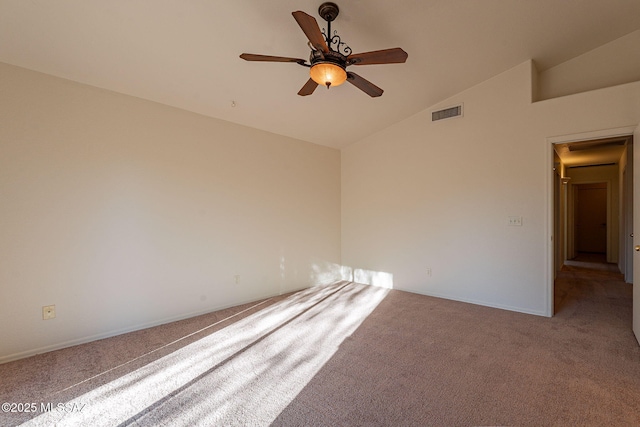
point(330, 57)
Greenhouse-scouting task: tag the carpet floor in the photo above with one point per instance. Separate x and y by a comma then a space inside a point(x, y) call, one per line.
point(352, 355)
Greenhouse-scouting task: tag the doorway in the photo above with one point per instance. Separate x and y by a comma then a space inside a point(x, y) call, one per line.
point(592, 210)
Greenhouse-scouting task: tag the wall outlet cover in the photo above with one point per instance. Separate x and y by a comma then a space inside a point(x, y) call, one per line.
point(48, 312)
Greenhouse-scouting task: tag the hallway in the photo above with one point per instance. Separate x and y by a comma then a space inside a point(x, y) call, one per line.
point(592, 261)
point(596, 289)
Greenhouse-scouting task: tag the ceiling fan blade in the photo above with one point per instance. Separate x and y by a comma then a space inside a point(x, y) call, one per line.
point(311, 29)
point(268, 58)
point(364, 85)
point(386, 56)
point(308, 88)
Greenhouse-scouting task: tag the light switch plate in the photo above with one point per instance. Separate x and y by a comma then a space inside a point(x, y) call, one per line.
point(515, 221)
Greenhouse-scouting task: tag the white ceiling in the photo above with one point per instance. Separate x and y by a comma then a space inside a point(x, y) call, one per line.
point(184, 53)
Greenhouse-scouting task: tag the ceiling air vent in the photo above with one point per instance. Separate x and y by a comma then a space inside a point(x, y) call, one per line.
point(447, 113)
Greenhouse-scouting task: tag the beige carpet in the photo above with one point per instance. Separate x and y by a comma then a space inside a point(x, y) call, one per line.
point(350, 354)
point(593, 261)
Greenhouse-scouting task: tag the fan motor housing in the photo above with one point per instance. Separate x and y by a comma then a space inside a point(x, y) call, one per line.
point(328, 11)
point(331, 56)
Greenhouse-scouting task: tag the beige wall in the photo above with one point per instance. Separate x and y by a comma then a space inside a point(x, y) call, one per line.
point(126, 213)
point(613, 64)
point(423, 196)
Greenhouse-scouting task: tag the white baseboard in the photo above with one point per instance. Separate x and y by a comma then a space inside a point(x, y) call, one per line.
point(113, 333)
point(482, 303)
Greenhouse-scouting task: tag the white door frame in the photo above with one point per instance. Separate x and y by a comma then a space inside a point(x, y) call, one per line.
point(627, 217)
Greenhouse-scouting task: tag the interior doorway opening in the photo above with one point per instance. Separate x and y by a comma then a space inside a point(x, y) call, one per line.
point(593, 210)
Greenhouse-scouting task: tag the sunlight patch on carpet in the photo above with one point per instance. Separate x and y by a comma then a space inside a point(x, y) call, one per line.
point(244, 374)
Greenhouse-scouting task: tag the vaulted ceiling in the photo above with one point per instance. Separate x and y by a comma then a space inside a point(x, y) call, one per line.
point(184, 53)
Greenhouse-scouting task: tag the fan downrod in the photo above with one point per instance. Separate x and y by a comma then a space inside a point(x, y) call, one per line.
point(328, 11)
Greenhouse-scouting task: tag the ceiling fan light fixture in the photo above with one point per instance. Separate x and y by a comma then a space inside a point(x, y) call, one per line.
point(328, 74)
point(330, 56)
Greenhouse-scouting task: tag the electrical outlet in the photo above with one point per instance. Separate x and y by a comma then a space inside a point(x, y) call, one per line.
point(237, 276)
point(48, 312)
point(429, 271)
